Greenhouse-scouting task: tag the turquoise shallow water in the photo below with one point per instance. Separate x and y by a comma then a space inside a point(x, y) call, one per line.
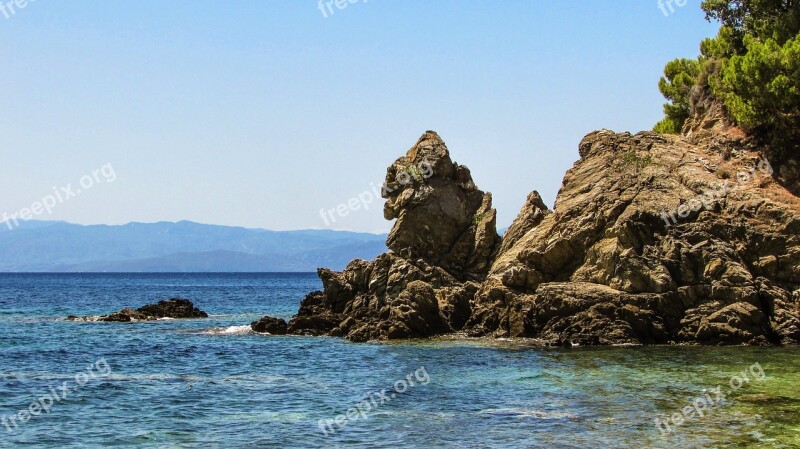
point(212, 384)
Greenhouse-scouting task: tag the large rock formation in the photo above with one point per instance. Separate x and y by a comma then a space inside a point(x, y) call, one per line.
point(442, 246)
point(653, 239)
point(443, 218)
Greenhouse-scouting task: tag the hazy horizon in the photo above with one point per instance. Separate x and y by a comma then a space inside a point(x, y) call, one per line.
point(5, 226)
point(264, 114)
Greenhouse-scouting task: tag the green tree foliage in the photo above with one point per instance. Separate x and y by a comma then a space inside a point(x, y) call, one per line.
point(764, 19)
point(722, 46)
point(761, 88)
point(752, 66)
point(676, 85)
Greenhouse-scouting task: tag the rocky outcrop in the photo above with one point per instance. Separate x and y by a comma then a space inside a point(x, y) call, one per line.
point(175, 308)
point(442, 219)
point(442, 245)
point(532, 213)
point(653, 239)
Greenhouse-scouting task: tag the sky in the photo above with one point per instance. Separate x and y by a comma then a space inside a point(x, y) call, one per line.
point(263, 113)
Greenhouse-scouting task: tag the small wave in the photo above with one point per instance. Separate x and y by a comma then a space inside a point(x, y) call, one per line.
point(230, 330)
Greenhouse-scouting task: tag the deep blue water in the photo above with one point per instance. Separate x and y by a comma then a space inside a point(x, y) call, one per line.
point(212, 384)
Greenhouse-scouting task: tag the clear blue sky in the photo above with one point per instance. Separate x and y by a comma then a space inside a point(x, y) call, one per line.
point(261, 113)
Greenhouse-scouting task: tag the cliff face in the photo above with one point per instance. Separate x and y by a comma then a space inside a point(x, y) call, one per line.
point(654, 239)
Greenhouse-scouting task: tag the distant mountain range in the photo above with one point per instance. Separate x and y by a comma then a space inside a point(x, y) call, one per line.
point(49, 246)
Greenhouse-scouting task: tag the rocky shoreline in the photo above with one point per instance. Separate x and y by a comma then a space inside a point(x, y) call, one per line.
point(605, 267)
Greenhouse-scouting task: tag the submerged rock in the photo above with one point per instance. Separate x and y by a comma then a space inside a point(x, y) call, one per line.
point(175, 308)
point(653, 239)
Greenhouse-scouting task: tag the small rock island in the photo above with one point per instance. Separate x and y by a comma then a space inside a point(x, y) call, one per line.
point(175, 308)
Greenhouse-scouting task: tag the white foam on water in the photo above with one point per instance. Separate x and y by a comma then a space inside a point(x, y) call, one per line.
point(230, 330)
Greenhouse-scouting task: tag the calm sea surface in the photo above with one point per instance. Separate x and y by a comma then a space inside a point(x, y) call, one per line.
point(213, 384)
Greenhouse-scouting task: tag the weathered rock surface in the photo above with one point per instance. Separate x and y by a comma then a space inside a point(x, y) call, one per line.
point(635, 253)
point(532, 213)
point(444, 219)
point(442, 246)
point(175, 308)
point(653, 239)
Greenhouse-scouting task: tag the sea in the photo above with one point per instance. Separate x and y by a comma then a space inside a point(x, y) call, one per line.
point(212, 383)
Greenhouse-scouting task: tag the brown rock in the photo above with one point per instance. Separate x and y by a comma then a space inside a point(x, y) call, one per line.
point(612, 266)
point(443, 219)
point(648, 243)
point(532, 213)
point(442, 246)
point(175, 308)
